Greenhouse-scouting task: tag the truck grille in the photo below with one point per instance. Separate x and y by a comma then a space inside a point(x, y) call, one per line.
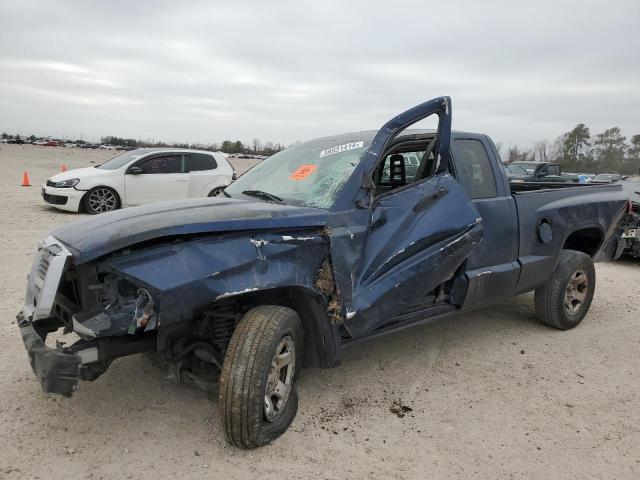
point(39, 270)
point(46, 271)
point(43, 266)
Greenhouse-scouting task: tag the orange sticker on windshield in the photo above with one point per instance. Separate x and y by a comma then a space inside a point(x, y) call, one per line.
point(302, 172)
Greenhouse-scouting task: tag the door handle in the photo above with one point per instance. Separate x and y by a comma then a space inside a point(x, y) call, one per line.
point(428, 200)
point(181, 180)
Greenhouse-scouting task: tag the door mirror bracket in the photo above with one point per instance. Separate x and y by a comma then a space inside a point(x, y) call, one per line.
point(370, 188)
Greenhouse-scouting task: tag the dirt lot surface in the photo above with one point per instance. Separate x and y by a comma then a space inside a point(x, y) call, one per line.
point(490, 394)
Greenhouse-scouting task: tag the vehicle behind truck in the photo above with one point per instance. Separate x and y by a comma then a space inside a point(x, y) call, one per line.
point(329, 242)
point(521, 172)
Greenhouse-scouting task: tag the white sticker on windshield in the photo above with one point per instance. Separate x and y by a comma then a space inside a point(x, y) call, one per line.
point(341, 148)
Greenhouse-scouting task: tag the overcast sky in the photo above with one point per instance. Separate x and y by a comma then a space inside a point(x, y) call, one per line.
point(287, 71)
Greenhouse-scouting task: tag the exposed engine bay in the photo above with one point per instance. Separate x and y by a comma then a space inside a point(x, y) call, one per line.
point(631, 232)
point(114, 317)
point(122, 308)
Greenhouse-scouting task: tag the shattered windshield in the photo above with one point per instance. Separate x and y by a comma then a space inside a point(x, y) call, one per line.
point(310, 174)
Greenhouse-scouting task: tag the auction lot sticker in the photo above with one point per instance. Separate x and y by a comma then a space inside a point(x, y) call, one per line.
point(303, 172)
point(341, 148)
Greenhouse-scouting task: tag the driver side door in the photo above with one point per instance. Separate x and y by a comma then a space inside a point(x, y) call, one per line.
point(161, 178)
point(388, 264)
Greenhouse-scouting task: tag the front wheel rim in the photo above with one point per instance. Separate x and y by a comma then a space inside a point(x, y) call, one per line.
point(576, 292)
point(102, 200)
point(280, 378)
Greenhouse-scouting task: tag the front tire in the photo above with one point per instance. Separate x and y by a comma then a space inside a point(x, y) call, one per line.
point(565, 300)
point(216, 192)
point(258, 400)
point(101, 200)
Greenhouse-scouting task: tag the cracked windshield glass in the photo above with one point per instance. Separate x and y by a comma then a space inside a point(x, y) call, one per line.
point(310, 174)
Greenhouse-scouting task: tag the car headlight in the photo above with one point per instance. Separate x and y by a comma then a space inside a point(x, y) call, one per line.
point(72, 182)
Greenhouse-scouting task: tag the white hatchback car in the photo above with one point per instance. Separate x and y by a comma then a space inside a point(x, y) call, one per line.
point(137, 177)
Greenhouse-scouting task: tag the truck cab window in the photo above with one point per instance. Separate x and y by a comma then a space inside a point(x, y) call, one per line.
point(473, 168)
point(403, 167)
point(553, 170)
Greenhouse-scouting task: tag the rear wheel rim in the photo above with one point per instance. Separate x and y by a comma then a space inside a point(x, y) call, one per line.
point(280, 378)
point(102, 200)
point(576, 292)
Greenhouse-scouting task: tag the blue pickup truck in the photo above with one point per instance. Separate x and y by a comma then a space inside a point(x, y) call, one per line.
point(328, 242)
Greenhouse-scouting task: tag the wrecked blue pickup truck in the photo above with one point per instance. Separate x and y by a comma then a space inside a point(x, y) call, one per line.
point(328, 242)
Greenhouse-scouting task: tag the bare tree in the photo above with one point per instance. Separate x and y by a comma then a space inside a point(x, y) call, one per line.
point(514, 154)
point(542, 151)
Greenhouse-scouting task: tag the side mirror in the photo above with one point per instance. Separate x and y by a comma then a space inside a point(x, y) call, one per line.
point(135, 171)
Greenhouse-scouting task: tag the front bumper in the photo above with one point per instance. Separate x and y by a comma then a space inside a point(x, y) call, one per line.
point(63, 198)
point(57, 371)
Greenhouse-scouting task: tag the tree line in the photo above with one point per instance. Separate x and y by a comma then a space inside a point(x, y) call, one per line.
point(577, 151)
point(228, 146)
point(256, 147)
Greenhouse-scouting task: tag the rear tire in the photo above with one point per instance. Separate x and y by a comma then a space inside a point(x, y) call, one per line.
point(258, 400)
point(565, 300)
point(216, 192)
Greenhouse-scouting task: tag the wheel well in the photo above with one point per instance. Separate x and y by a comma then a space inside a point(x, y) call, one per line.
point(321, 340)
point(585, 240)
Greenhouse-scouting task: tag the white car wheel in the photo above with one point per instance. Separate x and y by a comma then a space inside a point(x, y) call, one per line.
point(101, 199)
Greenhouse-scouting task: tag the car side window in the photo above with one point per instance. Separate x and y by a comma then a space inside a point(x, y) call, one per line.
point(473, 168)
point(162, 164)
point(197, 162)
point(553, 170)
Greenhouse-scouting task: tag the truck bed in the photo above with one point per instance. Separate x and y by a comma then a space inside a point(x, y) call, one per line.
point(523, 187)
point(547, 212)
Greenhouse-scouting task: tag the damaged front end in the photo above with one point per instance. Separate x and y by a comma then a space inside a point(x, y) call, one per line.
point(116, 319)
point(179, 299)
point(631, 230)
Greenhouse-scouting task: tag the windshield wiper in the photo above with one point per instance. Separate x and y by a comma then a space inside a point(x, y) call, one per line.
point(263, 195)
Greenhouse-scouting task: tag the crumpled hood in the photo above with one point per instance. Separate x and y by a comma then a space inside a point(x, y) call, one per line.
point(109, 232)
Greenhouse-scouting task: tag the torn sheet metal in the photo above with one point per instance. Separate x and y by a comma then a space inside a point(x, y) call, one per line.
point(326, 284)
point(189, 276)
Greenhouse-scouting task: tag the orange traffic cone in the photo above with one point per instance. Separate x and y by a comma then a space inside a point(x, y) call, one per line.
point(25, 179)
point(63, 168)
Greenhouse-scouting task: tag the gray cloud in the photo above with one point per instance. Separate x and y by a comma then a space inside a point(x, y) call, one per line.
point(201, 71)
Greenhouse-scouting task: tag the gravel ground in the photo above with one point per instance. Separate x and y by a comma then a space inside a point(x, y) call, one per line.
point(490, 394)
